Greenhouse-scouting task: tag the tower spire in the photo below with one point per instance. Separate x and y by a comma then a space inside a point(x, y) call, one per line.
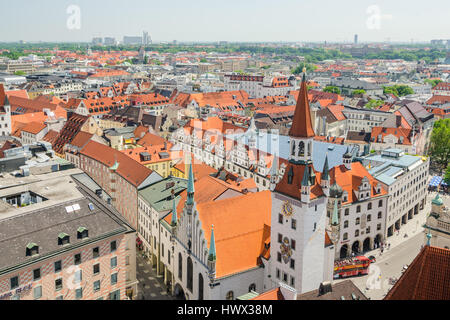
point(212, 246)
point(301, 123)
point(190, 186)
point(174, 213)
point(325, 173)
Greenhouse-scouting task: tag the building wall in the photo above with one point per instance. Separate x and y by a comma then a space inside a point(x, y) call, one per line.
point(48, 275)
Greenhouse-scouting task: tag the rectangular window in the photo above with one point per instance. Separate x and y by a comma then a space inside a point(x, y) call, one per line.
point(113, 278)
point(78, 293)
point(113, 246)
point(292, 281)
point(280, 238)
point(96, 285)
point(280, 218)
point(37, 292)
point(292, 264)
point(96, 268)
point(96, 252)
point(115, 295)
point(127, 259)
point(58, 266)
point(294, 224)
point(113, 262)
point(285, 277)
point(278, 273)
point(77, 258)
point(278, 257)
point(14, 281)
point(58, 284)
point(59, 298)
point(36, 274)
point(78, 276)
point(293, 244)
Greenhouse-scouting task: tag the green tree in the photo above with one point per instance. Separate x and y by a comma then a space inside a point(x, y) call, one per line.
point(332, 89)
point(20, 73)
point(440, 143)
point(373, 104)
point(358, 92)
point(203, 60)
point(299, 69)
point(447, 175)
point(433, 82)
point(398, 90)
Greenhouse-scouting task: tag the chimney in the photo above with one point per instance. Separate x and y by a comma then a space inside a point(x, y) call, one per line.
point(325, 287)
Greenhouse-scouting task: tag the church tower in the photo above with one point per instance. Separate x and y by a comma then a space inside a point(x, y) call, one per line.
point(299, 216)
point(301, 133)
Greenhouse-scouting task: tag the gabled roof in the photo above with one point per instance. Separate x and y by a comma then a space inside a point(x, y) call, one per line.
point(68, 132)
point(129, 169)
point(427, 277)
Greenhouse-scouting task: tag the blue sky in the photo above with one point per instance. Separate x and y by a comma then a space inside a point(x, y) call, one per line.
point(230, 20)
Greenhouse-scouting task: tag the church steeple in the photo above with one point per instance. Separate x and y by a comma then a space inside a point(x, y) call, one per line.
point(301, 132)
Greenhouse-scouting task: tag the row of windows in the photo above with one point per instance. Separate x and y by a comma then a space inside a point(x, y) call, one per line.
point(37, 291)
point(283, 276)
point(345, 235)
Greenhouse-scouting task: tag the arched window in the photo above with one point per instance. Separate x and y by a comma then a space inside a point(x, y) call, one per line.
point(230, 295)
point(293, 148)
point(356, 233)
point(345, 237)
point(357, 221)
point(309, 149)
point(180, 266)
point(301, 149)
point(252, 287)
point(200, 286)
point(190, 274)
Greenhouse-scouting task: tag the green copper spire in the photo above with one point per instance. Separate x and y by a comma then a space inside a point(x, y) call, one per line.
point(335, 217)
point(325, 173)
point(428, 237)
point(306, 181)
point(174, 213)
point(190, 186)
point(212, 246)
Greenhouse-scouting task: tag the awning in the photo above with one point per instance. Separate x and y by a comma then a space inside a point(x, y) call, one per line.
point(435, 181)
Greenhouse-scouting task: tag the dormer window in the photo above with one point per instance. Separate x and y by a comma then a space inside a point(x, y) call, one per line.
point(63, 239)
point(82, 233)
point(32, 249)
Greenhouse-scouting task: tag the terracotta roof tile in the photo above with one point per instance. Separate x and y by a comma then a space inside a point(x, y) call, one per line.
point(427, 277)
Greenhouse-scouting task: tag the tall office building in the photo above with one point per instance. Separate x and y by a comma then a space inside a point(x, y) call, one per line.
point(145, 38)
point(97, 41)
point(356, 39)
point(132, 40)
point(109, 41)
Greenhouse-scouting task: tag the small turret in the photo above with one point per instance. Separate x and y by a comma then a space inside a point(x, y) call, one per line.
point(306, 186)
point(274, 173)
point(347, 159)
point(325, 178)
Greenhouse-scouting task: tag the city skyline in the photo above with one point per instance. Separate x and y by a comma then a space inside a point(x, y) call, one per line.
point(80, 21)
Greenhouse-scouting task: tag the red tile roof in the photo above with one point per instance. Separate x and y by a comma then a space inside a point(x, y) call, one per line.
point(129, 169)
point(34, 127)
point(69, 131)
point(427, 277)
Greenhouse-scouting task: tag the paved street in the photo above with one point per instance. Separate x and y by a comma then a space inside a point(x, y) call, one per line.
point(151, 286)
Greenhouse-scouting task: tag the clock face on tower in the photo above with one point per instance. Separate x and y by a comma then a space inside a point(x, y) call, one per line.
point(287, 209)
